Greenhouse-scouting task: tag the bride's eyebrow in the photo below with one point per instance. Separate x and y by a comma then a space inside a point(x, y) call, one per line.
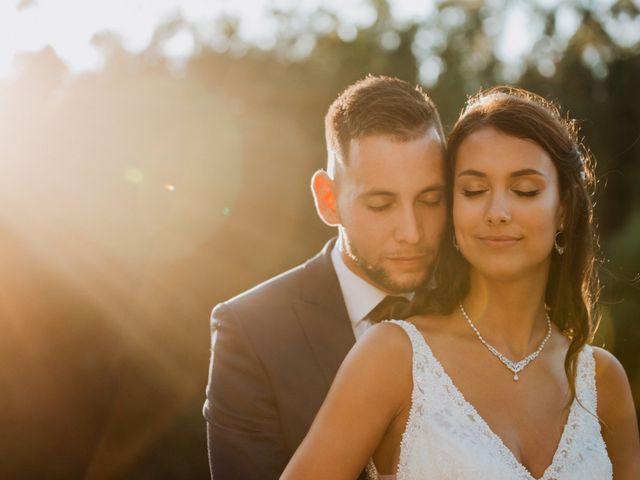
point(527, 171)
point(517, 173)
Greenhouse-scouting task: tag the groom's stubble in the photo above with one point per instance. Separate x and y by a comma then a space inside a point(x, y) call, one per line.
point(380, 276)
point(384, 182)
point(391, 210)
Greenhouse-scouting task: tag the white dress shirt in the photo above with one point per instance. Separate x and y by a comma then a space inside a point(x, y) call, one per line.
point(360, 296)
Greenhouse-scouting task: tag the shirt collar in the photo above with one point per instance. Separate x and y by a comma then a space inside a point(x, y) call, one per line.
point(360, 296)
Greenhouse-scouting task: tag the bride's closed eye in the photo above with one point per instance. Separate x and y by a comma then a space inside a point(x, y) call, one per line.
point(473, 192)
point(526, 193)
point(526, 188)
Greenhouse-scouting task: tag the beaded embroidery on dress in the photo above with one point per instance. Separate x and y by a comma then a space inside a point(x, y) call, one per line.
point(445, 437)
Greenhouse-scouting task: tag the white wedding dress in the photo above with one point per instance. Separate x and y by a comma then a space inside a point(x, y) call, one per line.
point(446, 438)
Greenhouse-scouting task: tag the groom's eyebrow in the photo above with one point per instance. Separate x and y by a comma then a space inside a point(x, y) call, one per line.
point(433, 188)
point(377, 193)
point(387, 193)
point(472, 173)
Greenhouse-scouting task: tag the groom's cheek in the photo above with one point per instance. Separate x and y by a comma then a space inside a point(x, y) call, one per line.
point(434, 225)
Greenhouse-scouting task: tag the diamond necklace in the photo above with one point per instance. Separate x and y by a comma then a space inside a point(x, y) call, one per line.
point(515, 367)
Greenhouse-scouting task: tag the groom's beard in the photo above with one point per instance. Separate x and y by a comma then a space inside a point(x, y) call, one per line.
point(381, 276)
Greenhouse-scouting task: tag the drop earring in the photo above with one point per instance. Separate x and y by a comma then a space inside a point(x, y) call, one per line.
point(560, 242)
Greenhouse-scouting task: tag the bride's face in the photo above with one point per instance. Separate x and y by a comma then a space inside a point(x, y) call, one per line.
point(506, 205)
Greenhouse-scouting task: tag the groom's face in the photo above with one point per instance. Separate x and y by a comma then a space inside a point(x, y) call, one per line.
point(390, 200)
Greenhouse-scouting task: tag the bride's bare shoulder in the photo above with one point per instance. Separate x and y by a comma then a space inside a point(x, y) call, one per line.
point(385, 346)
point(611, 379)
point(382, 356)
point(617, 413)
point(433, 324)
point(386, 338)
point(391, 343)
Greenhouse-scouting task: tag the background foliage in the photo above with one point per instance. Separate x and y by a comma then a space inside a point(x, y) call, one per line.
point(136, 198)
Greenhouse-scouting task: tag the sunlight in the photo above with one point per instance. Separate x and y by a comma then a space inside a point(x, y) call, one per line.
point(68, 26)
point(521, 28)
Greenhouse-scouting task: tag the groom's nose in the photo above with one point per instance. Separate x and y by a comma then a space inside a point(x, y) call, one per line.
point(408, 227)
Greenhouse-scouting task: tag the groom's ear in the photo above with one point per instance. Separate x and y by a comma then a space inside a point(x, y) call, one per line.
point(325, 198)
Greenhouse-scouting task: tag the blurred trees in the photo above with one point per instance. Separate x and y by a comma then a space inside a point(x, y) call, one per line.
point(136, 198)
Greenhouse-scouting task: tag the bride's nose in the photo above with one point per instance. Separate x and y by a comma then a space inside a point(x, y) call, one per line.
point(497, 211)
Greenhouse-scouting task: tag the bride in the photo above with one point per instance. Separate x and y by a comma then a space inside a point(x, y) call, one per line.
point(441, 396)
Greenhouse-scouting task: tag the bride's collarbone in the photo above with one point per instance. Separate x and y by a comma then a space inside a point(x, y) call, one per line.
point(487, 384)
point(529, 415)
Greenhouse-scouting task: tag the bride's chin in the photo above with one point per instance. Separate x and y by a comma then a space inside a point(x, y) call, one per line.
point(501, 271)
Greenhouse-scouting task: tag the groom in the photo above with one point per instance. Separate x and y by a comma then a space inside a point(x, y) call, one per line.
point(277, 347)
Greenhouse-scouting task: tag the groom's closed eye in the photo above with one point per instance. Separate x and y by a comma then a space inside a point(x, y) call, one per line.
point(379, 208)
point(379, 204)
point(432, 198)
point(378, 201)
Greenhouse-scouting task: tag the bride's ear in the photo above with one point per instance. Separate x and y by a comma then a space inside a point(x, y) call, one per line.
point(325, 198)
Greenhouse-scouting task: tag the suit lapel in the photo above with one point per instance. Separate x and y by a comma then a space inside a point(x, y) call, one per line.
point(323, 315)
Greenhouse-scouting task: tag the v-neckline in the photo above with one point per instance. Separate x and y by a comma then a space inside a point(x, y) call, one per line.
point(460, 400)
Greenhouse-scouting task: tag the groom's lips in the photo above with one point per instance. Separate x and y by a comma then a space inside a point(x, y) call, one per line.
point(409, 260)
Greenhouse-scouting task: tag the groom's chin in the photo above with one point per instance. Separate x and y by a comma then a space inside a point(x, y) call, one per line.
point(405, 279)
point(402, 282)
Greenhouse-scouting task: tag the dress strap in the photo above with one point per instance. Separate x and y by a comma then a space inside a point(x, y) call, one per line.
point(423, 360)
point(586, 379)
point(418, 342)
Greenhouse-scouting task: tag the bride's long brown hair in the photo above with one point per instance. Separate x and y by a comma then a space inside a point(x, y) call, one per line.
point(573, 287)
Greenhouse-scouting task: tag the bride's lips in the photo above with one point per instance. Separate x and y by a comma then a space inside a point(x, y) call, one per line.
point(499, 240)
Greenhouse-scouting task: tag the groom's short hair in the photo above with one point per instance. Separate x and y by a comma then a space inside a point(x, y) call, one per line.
point(377, 105)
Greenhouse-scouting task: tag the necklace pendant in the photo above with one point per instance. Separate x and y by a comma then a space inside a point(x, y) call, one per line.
point(515, 367)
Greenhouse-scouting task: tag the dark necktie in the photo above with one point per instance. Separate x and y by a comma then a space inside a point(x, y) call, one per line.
point(388, 309)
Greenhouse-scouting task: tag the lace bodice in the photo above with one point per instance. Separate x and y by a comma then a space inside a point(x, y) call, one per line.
point(446, 438)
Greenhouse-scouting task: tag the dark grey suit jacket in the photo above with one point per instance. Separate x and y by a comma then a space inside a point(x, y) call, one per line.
point(275, 351)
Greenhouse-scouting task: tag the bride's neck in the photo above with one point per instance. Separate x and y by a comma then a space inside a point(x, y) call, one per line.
point(509, 315)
